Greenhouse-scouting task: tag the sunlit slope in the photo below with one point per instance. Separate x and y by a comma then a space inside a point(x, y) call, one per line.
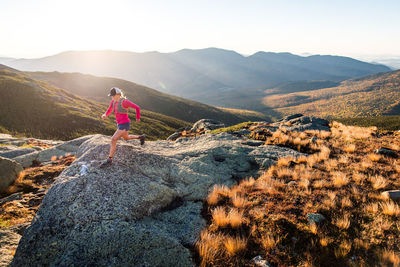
point(35, 108)
point(373, 95)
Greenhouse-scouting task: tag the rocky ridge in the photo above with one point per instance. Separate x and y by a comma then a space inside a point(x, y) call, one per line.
point(143, 210)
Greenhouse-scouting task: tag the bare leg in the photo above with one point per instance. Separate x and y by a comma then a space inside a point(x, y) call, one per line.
point(129, 137)
point(117, 135)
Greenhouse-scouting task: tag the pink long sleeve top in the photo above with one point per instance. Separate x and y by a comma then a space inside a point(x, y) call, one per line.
point(123, 117)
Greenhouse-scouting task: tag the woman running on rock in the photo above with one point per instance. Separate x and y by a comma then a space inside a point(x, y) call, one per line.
point(120, 105)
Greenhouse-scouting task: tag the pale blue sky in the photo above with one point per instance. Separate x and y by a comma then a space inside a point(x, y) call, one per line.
point(40, 28)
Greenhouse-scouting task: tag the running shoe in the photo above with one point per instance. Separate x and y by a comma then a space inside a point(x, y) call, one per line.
point(106, 163)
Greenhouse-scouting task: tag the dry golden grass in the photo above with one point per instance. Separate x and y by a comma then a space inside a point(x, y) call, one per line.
point(312, 160)
point(301, 159)
point(355, 191)
point(320, 183)
point(209, 247)
point(297, 141)
point(324, 134)
point(374, 157)
point(20, 184)
point(239, 202)
point(346, 202)
point(329, 203)
point(378, 182)
point(219, 216)
point(339, 179)
point(350, 148)
point(312, 226)
point(390, 208)
point(325, 241)
point(284, 172)
point(397, 168)
point(331, 164)
point(305, 183)
point(303, 135)
point(269, 241)
point(257, 213)
point(366, 164)
point(358, 177)
point(324, 153)
point(217, 192)
point(384, 224)
point(343, 159)
point(389, 258)
point(331, 195)
point(343, 249)
point(248, 182)
point(285, 161)
point(236, 218)
point(343, 222)
point(234, 245)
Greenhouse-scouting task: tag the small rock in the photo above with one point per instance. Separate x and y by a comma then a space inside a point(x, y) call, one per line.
point(313, 139)
point(291, 117)
point(15, 196)
point(174, 136)
point(292, 183)
point(84, 169)
point(17, 152)
point(9, 171)
point(387, 152)
point(315, 217)
point(258, 260)
point(392, 194)
point(207, 124)
point(253, 143)
point(242, 132)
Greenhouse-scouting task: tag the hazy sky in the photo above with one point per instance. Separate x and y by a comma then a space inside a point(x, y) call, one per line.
point(37, 28)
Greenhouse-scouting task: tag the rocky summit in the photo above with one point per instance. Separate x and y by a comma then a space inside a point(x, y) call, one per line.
point(143, 210)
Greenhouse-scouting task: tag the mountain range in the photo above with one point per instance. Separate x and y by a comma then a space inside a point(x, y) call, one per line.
point(212, 76)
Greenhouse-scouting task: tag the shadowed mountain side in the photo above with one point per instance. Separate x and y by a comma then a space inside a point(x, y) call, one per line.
point(96, 88)
point(37, 109)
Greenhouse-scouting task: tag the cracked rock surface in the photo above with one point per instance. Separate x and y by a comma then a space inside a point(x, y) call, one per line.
point(143, 210)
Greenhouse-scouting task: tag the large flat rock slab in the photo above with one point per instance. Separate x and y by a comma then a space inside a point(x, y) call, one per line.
point(143, 210)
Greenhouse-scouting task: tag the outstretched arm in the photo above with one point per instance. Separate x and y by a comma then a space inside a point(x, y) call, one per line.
point(129, 104)
point(109, 110)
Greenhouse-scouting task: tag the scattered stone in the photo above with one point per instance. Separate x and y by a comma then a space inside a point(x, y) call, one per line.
point(303, 123)
point(259, 261)
point(174, 136)
point(387, 152)
point(313, 139)
point(9, 171)
point(392, 194)
point(17, 152)
point(291, 117)
point(15, 196)
point(62, 150)
point(207, 125)
point(253, 143)
point(242, 132)
point(315, 217)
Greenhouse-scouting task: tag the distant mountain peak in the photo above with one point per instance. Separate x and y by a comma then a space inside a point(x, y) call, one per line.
point(4, 67)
